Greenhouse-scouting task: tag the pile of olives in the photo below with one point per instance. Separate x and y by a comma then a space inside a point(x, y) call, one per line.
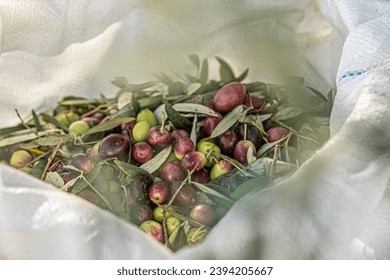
point(166, 202)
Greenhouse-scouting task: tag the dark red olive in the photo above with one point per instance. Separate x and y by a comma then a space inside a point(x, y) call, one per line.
point(115, 145)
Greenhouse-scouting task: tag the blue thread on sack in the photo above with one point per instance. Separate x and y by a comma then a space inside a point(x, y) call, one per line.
point(364, 70)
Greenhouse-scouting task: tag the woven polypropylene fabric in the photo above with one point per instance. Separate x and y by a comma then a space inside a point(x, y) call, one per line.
point(335, 206)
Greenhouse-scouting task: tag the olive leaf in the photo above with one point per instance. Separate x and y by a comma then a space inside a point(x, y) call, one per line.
point(264, 117)
point(242, 76)
point(209, 190)
point(162, 77)
point(49, 119)
point(318, 94)
point(131, 170)
point(240, 167)
point(37, 123)
point(24, 137)
point(176, 88)
point(38, 168)
point(176, 119)
point(193, 134)
point(228, 121)
point(287, 113)
point(124, 98)
point(52, 140)
point(194, 108)
point(269, 146)
point(110, 124)
point(181, 217)
point(249, 155)
point(8, 130)
point(258, 183)
point(154, 164)
point(80, 102)
point(195, 60)
point(258, 87)
point(136, 106)
point(55, 179)
point(159, 113)
point(122, 83)
point(192, 88)
point(178, 239)
point(190, 78)
point(204, 73)
point(81, 184)
point(29, 145)
point(225, 71)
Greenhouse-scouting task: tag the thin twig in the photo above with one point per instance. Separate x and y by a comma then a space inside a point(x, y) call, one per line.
point(273, 164)
point(39, 157)
point(164, 224)
point(24, 124)
point(171, 201)
point(51, 158)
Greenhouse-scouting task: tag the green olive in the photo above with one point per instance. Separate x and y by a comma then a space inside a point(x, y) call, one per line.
point(172, 224)
point(141, 131)
point(20, 159)
point(78, 128)
point(67, 117)
point(158, 214)
point(147, 116)
point(205, 147)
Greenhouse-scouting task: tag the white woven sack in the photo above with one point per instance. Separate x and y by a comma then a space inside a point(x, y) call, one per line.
point(335, 206)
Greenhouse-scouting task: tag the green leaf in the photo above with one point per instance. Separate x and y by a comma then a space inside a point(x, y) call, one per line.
point(193, 134)
point(210, 191)
point(52, 120)
point(124, 99)
point(29, 145)
point(268, 146)
point(225, 71)
point(318, 94)
point(52, 140)
point(194, 108)
point(228, 121)
point(256, 87)
point(295, 81)
point(154, 164)
point(164, 78)
point(110, 124)
point(81, 184)
point(258, 183)
point(80, 102)
point(37, 123)
point(195, 60)
point(181, 217)
point(242, 76)
point(249, 155)
point(122, 83)
point(193, 87)
point(176, 119)
point(8, 130)
point(24, 137)
point(176, 88)
point(287, 113)
point(131, 170)
point(264, 117)
point(38, 168)
point(204, 73)
point(178, 239)
point(55, 179)
point(136, 106)
point(241, 168)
